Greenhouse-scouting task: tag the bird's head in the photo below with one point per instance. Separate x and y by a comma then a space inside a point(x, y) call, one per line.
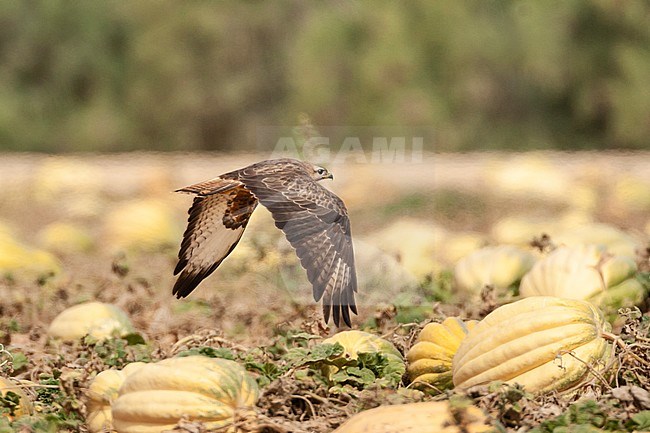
point(320, 173)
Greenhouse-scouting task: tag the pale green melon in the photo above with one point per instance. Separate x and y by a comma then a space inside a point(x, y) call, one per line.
point(155, 397)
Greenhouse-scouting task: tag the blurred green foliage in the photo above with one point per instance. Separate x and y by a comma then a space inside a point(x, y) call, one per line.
point(186, 75)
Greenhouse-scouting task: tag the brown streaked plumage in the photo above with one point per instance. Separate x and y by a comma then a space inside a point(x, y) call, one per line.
point(314, 220)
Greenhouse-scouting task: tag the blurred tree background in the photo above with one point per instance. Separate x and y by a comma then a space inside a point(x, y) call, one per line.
point(200, 75)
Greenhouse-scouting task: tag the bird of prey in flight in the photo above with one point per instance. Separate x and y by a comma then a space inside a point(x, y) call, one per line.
point(313, 219)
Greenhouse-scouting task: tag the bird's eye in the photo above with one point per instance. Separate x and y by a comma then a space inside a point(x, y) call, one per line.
point(321, 171)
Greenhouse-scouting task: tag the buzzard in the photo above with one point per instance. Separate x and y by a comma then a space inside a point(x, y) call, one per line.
point(313, 219)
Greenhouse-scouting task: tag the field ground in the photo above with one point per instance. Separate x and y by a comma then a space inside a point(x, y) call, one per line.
point(407, 219)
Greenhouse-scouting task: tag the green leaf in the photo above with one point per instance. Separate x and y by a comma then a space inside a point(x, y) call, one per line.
point(48, 395)
point(134, 338)
point(410, 314)
point(211, 352)
point(323, 352)
point(19, 360)
point(268, 369)
point(9, 403)
point(585, 417)
point(353, 376)
point(295, 356)
point(4, 426)
point(301, 336)
point(364, 374)
point(387, 367)
point(642, 421)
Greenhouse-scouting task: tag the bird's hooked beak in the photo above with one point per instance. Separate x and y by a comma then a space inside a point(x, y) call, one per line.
point(329, 176)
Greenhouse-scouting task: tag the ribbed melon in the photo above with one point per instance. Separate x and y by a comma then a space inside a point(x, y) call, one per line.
point(355, 342)
point(587, 272)
point(543, 343)
point(102, 392)
point(426, 417)
point(431, 356)
point(500, 266)
point(155, 397)
point(97, 319)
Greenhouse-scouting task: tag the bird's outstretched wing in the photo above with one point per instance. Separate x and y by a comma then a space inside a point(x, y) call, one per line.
point(216, 223)
point(316, 223)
